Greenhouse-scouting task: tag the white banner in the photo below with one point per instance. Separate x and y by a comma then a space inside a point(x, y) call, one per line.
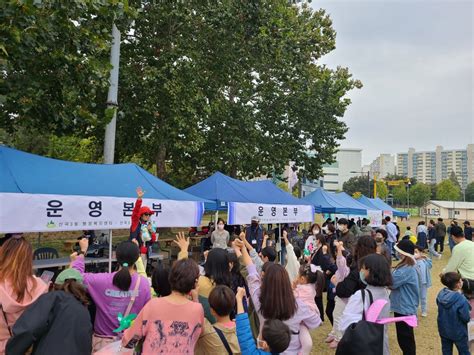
point(375, 218)
point(242, 213)
point(21, 212)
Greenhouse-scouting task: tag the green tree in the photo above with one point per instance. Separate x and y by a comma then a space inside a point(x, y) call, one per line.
point(54, 64)
point(400, 194)
point(448, 191)
point(231, 86)
point(470, 192)
point(382, 190)
point(453, 177)
point(420, 194)
point(358, 184)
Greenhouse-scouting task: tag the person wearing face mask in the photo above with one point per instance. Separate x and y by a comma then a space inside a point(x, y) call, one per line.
point(310, 243)
point(345, 235)
point(254, 234)
point(220, 237)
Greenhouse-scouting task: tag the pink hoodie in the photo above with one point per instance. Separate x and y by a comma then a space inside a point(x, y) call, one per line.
point(13, 309)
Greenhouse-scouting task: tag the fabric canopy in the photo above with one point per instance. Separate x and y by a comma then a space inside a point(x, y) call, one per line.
point(326, 202)
point(381, 205)
point(222, 189)
point(352, 202)
point(368, 202)
point(74, 195)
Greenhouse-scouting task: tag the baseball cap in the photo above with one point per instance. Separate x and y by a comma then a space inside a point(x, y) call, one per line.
point(69, 274)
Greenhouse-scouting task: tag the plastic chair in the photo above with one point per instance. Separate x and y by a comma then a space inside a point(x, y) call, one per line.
point(45, 253)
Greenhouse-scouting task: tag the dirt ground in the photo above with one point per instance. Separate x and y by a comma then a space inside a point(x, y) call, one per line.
point(426, 334)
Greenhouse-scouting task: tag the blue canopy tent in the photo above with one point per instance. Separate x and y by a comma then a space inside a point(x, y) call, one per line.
point(350, 201)
point(377, 203)
point(386, 207)
point(56, 195)
point(368, 203)
point(222, 189)
point(326, 202)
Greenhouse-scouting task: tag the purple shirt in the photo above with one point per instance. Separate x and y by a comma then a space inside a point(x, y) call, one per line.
point(109, 299)
point(303, 314)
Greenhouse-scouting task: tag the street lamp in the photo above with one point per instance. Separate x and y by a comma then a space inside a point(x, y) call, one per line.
point(368, 178)
point(408, 195)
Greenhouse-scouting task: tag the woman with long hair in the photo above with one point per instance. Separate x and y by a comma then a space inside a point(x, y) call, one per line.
point(123, 291)
point(19, 288)
point(216, 272)
point(273, 298)
point(170, 324)
point(57, 318)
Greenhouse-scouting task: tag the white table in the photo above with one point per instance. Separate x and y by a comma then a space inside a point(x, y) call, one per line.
point(62, 262)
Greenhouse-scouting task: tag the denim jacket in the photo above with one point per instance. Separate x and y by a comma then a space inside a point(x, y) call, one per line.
point(405, 295)
point(425, 266)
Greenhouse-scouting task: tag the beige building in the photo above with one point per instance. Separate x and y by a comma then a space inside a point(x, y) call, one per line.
point(432, 167)
point(382, 166)
point(449, 210)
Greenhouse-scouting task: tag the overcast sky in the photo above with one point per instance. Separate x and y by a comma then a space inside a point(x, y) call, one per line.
point(415, 60)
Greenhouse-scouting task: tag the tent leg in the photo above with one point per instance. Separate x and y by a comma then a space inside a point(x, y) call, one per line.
point(279, 242)
point(110, 250)
point(215, 219)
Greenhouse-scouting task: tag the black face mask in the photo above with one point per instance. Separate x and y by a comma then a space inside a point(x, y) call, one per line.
point(254, 225)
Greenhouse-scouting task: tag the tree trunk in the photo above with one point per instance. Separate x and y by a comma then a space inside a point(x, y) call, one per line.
point(233, 172)
point(161, 162)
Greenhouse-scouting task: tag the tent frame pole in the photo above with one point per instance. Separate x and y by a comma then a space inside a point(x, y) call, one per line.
point(110, 250)
point(279, 241)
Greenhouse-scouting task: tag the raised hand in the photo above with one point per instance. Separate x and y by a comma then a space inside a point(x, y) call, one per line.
point(240, 293)
point(140, 192)
point(182, 241)
point(84, 244)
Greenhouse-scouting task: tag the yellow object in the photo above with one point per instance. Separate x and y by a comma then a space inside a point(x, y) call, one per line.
point(413, 239)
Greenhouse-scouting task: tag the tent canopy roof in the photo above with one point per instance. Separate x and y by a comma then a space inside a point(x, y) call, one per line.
point(22, 172)
point(222, 188)
point(381, 205)
point(326, 202)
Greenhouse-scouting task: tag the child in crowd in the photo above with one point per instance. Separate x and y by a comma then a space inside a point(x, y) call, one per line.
point(424, 265)
point(57, 318)
point(168, 323)
point(404, 298)
point(220, 337)
point(382, 248)
point(453, 315)
point(275, 337)
point(410, 236)
point(340, 303)
point(304, 288)
point(375, 274)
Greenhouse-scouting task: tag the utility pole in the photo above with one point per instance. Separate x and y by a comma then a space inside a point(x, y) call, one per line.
point(109, 141)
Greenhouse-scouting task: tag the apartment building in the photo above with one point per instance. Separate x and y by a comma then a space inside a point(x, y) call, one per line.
point(432, 167)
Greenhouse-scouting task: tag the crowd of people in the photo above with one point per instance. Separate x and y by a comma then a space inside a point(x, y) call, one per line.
point(244, 298)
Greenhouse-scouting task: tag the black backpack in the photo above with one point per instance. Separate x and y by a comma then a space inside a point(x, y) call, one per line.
point(362, 337)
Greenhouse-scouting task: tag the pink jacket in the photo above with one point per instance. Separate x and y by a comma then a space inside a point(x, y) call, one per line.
point(306, 293)
point(13, 309)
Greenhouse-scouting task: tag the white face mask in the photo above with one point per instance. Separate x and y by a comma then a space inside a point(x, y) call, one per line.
point(325, 229)
point(341, 227)
point(315, 231)
point(220, 227)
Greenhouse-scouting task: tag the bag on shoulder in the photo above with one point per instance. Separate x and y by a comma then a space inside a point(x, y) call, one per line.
point(363, 337)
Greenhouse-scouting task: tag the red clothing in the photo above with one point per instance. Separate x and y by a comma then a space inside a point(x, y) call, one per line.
point(136, 226)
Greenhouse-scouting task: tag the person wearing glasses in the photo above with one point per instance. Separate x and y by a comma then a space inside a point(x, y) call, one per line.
point(142, 229)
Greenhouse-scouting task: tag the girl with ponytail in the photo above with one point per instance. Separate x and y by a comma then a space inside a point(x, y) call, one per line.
point(124, 291)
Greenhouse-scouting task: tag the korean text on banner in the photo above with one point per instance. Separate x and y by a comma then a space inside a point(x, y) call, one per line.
point(242, 213)
point(41, 213)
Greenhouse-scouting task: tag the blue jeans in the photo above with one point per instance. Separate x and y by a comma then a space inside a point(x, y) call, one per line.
point(451, 242)
point(390, 246)
point(431, 248)
point(462, 346)
point(423, 294)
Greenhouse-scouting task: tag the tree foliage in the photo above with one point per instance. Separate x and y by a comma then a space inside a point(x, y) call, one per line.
point(54, 64)
point(358, 184)
point(400, 194)
point(470, 192)
point(234, 86)
point(420, 194)
point(447, 190)
point(231, 86)
point(382, 190)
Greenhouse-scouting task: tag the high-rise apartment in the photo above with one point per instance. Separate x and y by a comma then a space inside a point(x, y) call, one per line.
point(434, 166)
